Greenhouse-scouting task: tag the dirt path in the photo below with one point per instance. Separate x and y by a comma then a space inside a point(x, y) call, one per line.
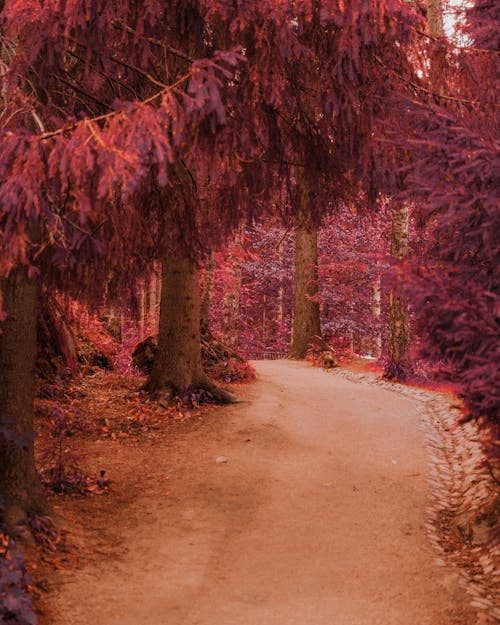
point(316, 518)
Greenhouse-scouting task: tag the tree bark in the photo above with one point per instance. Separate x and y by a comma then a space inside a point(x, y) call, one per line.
point(141, 310)
point(376, 312)
point(399, 365)
point(435, 18)
point(20, 486)
point(153, 301)
point(178, 369)
point(206, 294)
point(436, 29)
point(306, 316)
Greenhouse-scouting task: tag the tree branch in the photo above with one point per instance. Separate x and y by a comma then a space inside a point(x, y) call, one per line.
point(98, 118)
point(428, 91)
point(471, 48)
point(155, 42)
point(139, 71)
point(83, 92)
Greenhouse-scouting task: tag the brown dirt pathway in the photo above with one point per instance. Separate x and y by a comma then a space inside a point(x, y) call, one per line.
point(316, 518)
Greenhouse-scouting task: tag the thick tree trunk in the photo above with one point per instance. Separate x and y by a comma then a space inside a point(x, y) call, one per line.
point(399, 365)
point(20, 486)
point(306, 312)
point(177, 369)
point(206, 294)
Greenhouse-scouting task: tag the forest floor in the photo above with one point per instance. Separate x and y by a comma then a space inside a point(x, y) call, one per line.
point(304, 504)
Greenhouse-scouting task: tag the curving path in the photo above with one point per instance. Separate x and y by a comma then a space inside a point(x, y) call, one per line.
point(317, 518)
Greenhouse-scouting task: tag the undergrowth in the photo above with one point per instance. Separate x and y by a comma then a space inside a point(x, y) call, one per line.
point(16, 603)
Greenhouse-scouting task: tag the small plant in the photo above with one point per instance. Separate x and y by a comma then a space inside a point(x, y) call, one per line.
point(62, 474)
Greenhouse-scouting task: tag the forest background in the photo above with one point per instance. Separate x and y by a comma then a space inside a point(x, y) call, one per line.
point(210, 143)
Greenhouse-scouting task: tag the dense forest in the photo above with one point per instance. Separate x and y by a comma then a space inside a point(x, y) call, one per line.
point(206, 182)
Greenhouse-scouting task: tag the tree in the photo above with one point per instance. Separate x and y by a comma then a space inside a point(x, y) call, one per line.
point(399, 365)
point(353, 249)
point(80, 209)
point(453, 138)
point(177, 369)
point(306, 313)
point(20, 486)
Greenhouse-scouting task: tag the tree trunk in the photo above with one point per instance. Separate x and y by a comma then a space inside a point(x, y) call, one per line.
point(306, 317)
point(20, 486)
point(376, 312)
point(435, 18)
point(206, 294)
point(399, 365)
point(141, 310)
point(177, 369)
point(281, 306)
point(153, 302)
point(231, 309)
point(436, 29)
point(113, 322)
point(264, 321)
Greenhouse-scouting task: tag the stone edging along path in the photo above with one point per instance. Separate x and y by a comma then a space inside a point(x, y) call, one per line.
point(465, 500)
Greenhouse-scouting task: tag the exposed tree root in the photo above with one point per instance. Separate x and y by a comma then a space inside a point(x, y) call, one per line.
point(14, 515)
point(398, 371)
point(220, 395)
point(200, 392)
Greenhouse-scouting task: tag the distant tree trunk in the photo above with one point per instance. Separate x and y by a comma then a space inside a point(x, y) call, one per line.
point(264, 321)
point(399, 365)
point(436, 29)
point(141, 309)
point(281, 306)
point(20, 486)
point(153, 301)
point(231, 309)
point(435, 17)
point(206, 294)
point(306, 317)
point(113, 322)
point(231, 301)
point(178, 368)
point(376, 311)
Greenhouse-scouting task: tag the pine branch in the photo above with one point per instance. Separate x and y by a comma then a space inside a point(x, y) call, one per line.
point(84, 93)
point(456, 47)
point(109, 78)
point(156, 42)
point(428, 91)
point(139, 71)
point(113, 113)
